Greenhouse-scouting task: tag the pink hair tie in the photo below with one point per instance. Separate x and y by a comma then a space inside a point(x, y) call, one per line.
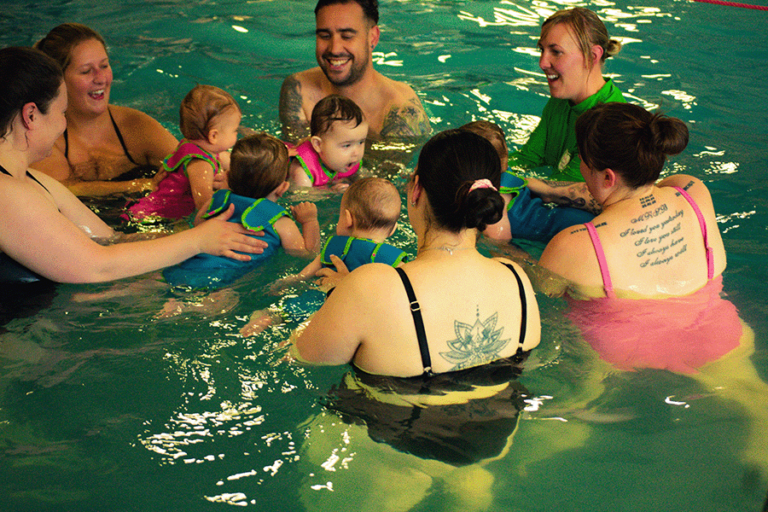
point(484, 183)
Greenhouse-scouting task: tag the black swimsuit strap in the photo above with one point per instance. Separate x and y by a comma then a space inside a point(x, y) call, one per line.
point(523, 308)
point(418, 322)
point(119, 138)
point(38, 182)
point(5, 171)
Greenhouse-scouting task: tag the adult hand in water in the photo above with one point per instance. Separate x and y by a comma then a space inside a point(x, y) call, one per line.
point(223, 238)
point(329, 278)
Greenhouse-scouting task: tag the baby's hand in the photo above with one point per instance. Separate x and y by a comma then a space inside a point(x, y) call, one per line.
point(158, 177)
point(224, 158)
point(304, 212)
point(329, 278)
point(221, 181)
point(340, 186)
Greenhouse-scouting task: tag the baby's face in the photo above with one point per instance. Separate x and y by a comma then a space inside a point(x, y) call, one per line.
point(342, 147)
point(227, 124)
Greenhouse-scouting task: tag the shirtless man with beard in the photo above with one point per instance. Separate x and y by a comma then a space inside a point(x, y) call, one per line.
point(347, 32)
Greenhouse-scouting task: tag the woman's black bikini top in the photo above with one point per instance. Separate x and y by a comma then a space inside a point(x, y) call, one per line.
point(138, 172)
point(421, 335)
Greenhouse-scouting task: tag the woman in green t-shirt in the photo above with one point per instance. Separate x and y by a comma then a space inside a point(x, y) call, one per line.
point(574, 45)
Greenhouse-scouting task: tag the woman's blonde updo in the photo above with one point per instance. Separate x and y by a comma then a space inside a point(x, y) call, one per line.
point(588, 31)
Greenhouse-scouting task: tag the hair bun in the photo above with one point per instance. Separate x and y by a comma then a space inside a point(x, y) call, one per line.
point(482, 207)
point(612, 48)
point(669, 135)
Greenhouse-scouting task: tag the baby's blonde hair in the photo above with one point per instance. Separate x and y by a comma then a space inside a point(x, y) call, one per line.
point(373, 202)
point(200, 109)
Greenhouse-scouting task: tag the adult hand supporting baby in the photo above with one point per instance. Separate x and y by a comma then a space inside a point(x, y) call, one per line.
point(221, 238)
point(329, 278)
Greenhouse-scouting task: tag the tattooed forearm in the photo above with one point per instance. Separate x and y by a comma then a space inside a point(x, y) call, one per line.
point(294, 126)
point(565, 193)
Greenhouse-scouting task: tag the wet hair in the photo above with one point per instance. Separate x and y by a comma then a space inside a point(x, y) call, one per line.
point(26, 76)
point(491, 132)
point(588, 30)
point(370, 7)
point(449, 164)
point(630, 140)
point(200, 109)
point(62, 39)
point(373, 202)
point(258, 165)
point(331, 109)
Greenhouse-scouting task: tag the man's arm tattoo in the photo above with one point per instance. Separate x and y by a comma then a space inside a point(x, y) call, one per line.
point(409, 120)
point(573, 194)
point(294, 127)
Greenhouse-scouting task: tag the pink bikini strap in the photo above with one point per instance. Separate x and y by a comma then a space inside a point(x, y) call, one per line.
point(607, 284)
point(703, 225)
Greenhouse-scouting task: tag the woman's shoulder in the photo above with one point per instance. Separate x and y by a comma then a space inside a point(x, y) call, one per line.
point(693, 186)
point(21, 196)
point(564, 254)
point(130, 117)
point(142, 132)
point(511, 264)
point(132, 122)
point(574, 236)
point(373, 274)
point(373, 288)
point(514, 271)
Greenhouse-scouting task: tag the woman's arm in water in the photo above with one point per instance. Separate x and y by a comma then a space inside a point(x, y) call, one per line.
point(36, 234)
point(336, 331)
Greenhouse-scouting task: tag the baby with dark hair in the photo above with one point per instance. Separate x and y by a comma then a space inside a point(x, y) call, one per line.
point(336, 144)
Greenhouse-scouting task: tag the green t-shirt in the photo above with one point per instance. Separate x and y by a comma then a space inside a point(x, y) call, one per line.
point(553, 142)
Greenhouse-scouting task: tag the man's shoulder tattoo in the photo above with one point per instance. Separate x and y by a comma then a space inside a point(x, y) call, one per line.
point(407, 120)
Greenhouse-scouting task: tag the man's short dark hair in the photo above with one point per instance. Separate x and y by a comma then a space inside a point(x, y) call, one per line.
point(370, 7)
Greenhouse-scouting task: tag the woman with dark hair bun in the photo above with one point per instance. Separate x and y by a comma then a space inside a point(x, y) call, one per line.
point(418, 320)
point(652, 239)
point(644, 278)
point(656, 241)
